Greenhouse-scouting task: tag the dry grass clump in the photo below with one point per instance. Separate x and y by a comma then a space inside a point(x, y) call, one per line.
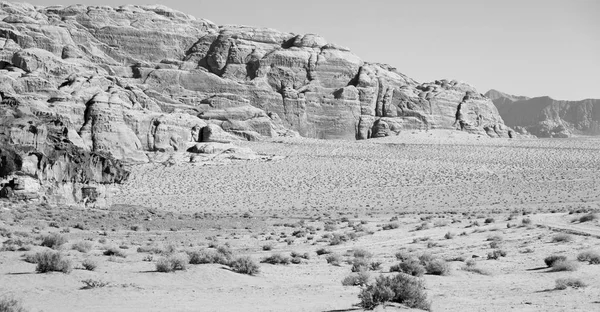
point(83, 246)
point(277, 259)
point(590, 256)
point(471, 266)
point(564, 265)
point(53, 241)
point(588, 217)
point(401, 288)
point(89, 265)
point(173, 263)
point(244, 265)
point(564, 283)
point(323, 251)
point(550, 260)
point(334, 259)
point(496, 254)
point(206, 256)
point(10, 304)
point(52, 261)
point(562, 238)
point(356, 279)
point(92, 283)
point(410, 266)
point(115, 251)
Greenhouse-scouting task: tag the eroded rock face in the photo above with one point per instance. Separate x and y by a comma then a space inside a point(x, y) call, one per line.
point(121, 82)
point(548, 118)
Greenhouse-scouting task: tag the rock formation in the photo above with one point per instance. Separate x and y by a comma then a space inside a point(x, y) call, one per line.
point(548, 118)
point(116, 83)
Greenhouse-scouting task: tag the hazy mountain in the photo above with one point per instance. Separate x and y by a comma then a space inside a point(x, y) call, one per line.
point(547, 117)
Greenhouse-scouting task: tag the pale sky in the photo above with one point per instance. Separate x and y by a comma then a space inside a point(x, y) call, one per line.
point(521, 47)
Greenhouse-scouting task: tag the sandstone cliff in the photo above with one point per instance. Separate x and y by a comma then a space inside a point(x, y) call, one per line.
point(546, 117)
point(114, 83)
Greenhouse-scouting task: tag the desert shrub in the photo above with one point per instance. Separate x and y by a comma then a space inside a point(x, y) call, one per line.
point(31, 258)
point(115, 251)
point(390, 226)
point(323, 251)
point(83, 246)
point(375, 265)
point(563, 283)
point(333, 258)
point(89, 265)
point(402, 288)
point(244, 265)
point(489, 220)
point(550, 260)
point(206, 256)
point(92, 283)
point(564, 265)
point(526, 221)
point(471, 266)
point(437, 267)
point(449, 235)
point(410, 266)
point(337, 239)
point(588, 217)
point(305, 255)
point(423, 226)
point(496, 254)
point(267, 247)
point(494, 238)
point(277, 259)
point(361, 253)
point(10, 304)
point(52, 261)
point(562, 238)
point(588, 256)
point(356, 279)
point(53, 241)
point(402, 255)
point(359, 264)
point(172, 263)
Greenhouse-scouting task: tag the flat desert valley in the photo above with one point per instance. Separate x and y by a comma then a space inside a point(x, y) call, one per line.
point(482, 217)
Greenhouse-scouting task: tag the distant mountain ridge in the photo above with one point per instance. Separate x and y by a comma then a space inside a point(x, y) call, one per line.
point(546, 117)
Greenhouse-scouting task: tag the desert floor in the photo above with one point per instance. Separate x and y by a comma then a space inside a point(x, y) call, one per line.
point(455, 196)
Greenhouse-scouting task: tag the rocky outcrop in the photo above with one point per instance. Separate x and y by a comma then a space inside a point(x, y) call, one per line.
point(546, 117)
point(118, 83)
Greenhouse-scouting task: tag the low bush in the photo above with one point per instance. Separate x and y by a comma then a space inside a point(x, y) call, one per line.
point(402, 255)
point(83, 246)
point(53, 241)
point(356, 279)
point(564, 283)
point(449, 235)
point(562, 238)
point(244, 265)
point(305, 255)
point(89, 265)
point(206, 256)
point(590, 256)
point(437, 267)
point(375, 265)
point(564, 265)
point(550, 260)
point(52, 261)
point(496, 254)
point(390, 226)
point(10, 304)
point(277, 259)
point(267, 247)
point(410, 266)
point(323, 251)
point(115, 251)
point(359, 264)
point(588, 217)
point(92, 283)
point(361, 253)
point(334, 259)
point(172, 263)
point(401, 288)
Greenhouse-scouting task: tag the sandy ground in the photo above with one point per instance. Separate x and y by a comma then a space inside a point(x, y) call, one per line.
point(448, 180)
